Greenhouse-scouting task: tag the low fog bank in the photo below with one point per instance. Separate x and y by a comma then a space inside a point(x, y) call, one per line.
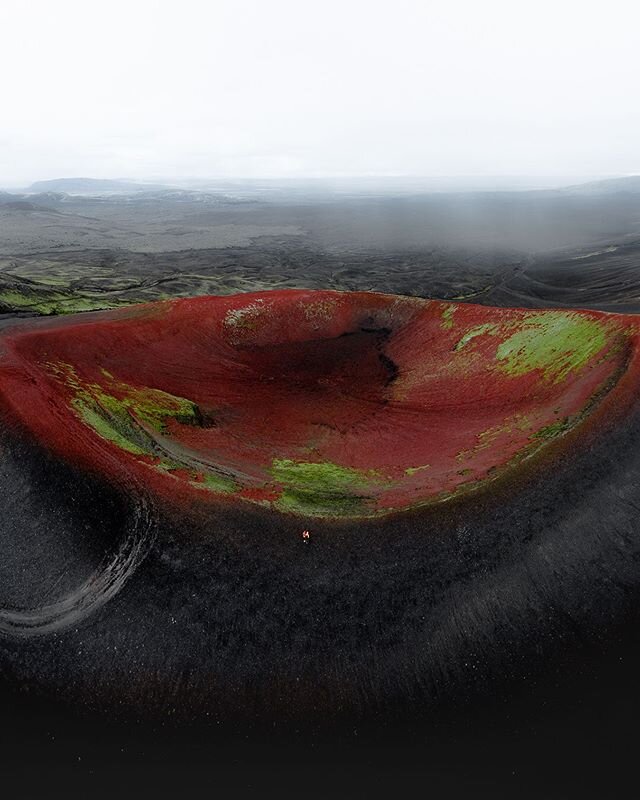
point(340, 215)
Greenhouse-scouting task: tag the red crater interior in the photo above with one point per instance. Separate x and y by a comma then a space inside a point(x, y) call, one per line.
point(308, 402)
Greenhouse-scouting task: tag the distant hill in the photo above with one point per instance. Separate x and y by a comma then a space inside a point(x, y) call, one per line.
point(91, 186)
point(25, 206)
point(61, 190)
point(174, 196)
point(630, 185)
point(30, 202)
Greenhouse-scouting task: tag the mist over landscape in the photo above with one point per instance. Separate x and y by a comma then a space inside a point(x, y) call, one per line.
point(75, 243)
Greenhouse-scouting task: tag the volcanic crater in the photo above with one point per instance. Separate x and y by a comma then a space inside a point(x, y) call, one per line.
point(312, 403)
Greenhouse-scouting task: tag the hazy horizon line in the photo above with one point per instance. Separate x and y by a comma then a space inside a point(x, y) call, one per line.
point(156, 179)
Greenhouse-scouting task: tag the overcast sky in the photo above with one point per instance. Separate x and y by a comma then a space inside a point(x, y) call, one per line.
point(293, 88)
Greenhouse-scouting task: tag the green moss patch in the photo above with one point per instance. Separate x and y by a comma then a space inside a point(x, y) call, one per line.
point(47, 302)
point(447, 317)
point(215, 482)
point(413, 470)
point(122, 421)
point(555, 429)
point(554, 342)
point(323, 488)
point(113, 427)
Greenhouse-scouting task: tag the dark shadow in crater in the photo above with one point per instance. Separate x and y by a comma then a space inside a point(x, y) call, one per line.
point(352, 363)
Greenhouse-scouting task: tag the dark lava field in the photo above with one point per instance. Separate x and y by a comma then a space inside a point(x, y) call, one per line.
point(226, 553)
point(577, 247)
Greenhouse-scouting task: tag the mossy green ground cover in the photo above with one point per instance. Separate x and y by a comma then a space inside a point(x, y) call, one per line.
point(322, 488)
point(554, 342)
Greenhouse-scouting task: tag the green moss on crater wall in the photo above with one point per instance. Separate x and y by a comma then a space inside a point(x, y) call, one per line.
point(321, 488)
point(554, 342)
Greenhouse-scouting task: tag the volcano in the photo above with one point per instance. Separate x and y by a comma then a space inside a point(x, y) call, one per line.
point(312, 403)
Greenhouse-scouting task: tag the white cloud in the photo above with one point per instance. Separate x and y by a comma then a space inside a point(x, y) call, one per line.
point(287, 87)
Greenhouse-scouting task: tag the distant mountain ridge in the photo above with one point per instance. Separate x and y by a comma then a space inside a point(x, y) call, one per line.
point(630, 184)
point(91, 186)
point(49, 201)
point(63, 192)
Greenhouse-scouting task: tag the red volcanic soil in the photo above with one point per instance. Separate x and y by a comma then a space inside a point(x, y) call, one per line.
point(311, 402)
